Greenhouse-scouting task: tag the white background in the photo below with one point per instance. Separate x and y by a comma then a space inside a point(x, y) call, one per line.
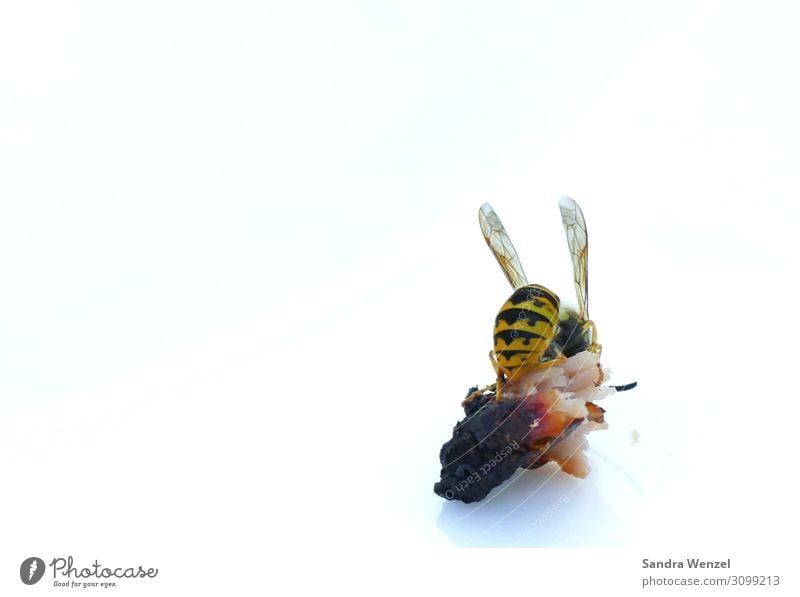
point(243, 288)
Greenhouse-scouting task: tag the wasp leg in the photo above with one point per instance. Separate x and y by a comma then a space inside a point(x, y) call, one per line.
point(500, 380)
point(558, 360)
point(498, 370)
point(501, 376)
point(477, 393)
point(594, 347)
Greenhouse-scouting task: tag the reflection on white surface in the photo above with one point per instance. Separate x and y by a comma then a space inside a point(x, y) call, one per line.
point(547, 508)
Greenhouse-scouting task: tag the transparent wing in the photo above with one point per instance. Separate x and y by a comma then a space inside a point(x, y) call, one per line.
point(578, 241)
point(498, 241)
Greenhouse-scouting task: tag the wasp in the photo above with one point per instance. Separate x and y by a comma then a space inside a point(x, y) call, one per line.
point(532, 330)
point(526, 425)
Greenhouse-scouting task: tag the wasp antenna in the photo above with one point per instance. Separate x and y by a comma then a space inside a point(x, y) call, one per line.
point(626, 387)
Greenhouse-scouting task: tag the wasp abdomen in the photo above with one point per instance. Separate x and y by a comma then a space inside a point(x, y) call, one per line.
point(525, 326)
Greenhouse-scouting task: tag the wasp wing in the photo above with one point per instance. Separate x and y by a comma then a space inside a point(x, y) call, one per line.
point(578, 241)
point(500, 244)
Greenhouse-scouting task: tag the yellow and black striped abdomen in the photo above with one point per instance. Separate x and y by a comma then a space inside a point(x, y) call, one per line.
point(525, 326)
